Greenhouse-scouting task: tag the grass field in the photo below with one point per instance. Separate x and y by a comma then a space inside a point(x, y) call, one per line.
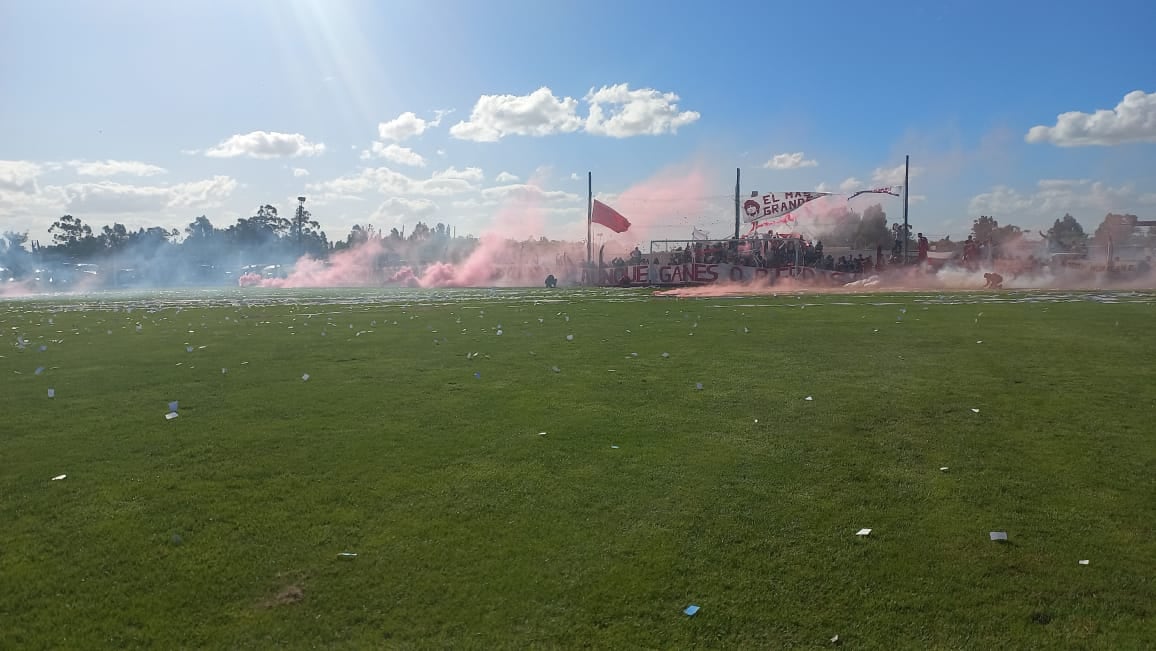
point(223, 527)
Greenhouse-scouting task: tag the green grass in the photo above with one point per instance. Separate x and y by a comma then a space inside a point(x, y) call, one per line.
point(472, 531)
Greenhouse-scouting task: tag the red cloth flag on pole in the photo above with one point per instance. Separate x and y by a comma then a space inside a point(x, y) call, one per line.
point(609, 217)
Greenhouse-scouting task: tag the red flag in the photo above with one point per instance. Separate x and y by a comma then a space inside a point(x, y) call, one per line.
point(609, 217)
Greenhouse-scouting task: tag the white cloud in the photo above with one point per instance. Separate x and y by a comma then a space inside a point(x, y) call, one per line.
point(387, 181)
point(472, 174)
point(505, 177)
point(114, 167)
point(1132, 121)
point(575, 177)
point(264, 144)
point(524, 191)
point(298, 172)
point(893, 175)
point(789, 161)
point(109, 197)
point(644, 111)
point(1087, 200)
point(19, 174)
point(399, 210)
point(538, 114)
point(407, 125)
point(395, 153)
point(850, 185)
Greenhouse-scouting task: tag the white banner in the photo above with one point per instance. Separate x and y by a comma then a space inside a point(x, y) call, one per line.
point(776, 204)
point(892, 190)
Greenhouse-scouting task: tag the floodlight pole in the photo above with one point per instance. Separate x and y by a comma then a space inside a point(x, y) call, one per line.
point(589, 215)
point(738, 183)
point(906, 228)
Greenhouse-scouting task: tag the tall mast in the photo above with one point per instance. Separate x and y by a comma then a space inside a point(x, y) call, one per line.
point(906, 228)
point(738, 180)
point(589, 215)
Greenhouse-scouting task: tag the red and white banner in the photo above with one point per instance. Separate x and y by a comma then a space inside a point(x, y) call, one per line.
point(777, 204)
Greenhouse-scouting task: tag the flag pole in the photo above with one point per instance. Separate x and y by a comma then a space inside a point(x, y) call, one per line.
point(589, 214)
point(738, 180)
point(906, 228)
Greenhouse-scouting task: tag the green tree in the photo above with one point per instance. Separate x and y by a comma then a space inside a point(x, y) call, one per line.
point(983, 228)
point(1118, 229)
point(73, 238)
point(113, 238)
point(1067, 235)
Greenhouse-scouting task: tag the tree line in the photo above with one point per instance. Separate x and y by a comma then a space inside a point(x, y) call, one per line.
point(202, 251)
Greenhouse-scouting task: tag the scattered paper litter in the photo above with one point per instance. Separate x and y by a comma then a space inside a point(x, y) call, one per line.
point(980, 341)
point(347, 554)
point(224, 370)
point(835, 640)
point(863, 532)
point(174, 405)
point(943, 469)
point(691, 610)
point(59, 477)
point(188, 349)
point(974, 410)
point(665, 355)
point(43, 348)
point(1083, 562)
point(52, 393)
point(555, 369)
point(569, 337)
point(998, 535)
point(698, 385)
point(808, 398)
point(499, 333)
point(39, 370)
point(614, 447)
point(477, 374)
point(171, 415)
point(541, 433)
point(305, 377)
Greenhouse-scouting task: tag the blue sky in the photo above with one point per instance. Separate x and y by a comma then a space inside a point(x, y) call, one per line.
point(156, 112)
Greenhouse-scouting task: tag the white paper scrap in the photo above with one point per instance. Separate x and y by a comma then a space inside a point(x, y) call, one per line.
point(171, 415)
point(974, 410)
point(305, 377)
point(1083, 562)
point(998, 535)
point(52, 393)
point(808, 398)
point(59, 477)
point(863, 532)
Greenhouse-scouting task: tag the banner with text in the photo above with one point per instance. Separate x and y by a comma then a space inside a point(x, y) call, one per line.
point(703, 274)
point(776, 204)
